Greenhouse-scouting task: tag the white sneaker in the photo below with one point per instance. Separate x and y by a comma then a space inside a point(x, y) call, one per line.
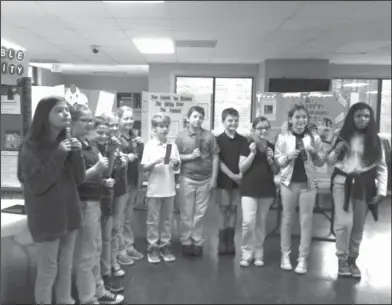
point(259, 262)
point(246, 261)
point(285, 263)
point(302, 266)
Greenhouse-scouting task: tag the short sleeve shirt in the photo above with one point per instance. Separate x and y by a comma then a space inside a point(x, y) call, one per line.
point(161, 180)
point(258, 180)
point(230, 151)
point(201, 168)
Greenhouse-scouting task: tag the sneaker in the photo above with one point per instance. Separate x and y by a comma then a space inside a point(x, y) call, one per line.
point(153, 255)
point(197, 251)
point(134, 254)
point(187, 250)
point(258, 262)
point(111, 298)
point(285, 263)
point(343, 269)
point(354, 270)
point(245, 262)
point(302, 266)
point(117, 271)
point(125, 260)
point(112, 285)
point(167, 254)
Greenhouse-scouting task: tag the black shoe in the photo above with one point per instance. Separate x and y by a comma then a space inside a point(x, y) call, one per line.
point(222, 245)
point(111, 298)
point(197, 251)
point(112, 284)
point(187, 250)
point(230, 240)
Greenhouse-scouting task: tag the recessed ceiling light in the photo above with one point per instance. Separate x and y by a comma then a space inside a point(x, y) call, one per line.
point(154, 45)
point(8, 44)
point(134, 2)
point(355, 85)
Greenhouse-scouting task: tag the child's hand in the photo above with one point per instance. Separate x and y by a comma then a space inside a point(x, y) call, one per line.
point(174, 162)
point(159, 160)
point(270, 154)
point(252, 147)
point(236, 178)
point(124, 160)
point(102, 164)
point(138, 140)
point(293, 155)
point(109, 182)
point(75, 144)
point(196, 153)
point(131, 157)
point(65, 145)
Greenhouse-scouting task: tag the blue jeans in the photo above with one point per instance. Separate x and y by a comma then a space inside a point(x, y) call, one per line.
point(54, 270)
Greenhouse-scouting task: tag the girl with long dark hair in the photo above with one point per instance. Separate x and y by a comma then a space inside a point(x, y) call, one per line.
point(297, 152)
point(50, 166)
point(359, 161)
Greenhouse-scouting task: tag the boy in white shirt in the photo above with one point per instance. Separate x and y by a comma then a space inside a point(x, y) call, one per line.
point(161, 159)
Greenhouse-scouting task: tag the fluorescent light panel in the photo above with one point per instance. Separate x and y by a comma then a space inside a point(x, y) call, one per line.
point(154, 45)
point(355, 85)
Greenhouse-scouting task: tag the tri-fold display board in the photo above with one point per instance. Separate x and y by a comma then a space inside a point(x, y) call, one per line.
point(176, 106)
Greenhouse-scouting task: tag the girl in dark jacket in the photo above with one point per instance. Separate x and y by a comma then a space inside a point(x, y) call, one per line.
point(50, 166)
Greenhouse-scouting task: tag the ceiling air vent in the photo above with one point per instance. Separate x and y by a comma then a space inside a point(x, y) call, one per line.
point(195, 43)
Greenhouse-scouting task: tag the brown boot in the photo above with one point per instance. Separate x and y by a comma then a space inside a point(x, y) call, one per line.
point(230, 240)
point(222, 245)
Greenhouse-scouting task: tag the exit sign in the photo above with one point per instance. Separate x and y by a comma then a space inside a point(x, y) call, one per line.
point(11, 61)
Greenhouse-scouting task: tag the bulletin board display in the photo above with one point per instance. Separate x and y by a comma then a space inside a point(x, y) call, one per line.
point(176, 107)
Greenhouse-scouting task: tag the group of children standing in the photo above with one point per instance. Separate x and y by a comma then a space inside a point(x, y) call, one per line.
point(80, 188)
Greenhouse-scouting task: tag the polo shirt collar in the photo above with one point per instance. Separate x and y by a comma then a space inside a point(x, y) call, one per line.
point(156, 142)
point(191, 133)
point(231, 138)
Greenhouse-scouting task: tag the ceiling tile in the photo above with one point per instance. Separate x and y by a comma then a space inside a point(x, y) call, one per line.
point(74, 10)
point(93, 24)
point(137, 10)
point(145, 24)
point(110, 38)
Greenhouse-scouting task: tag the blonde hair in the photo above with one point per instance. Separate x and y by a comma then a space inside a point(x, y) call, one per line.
point(160, 119)
point(111, 116)
point(122, 109)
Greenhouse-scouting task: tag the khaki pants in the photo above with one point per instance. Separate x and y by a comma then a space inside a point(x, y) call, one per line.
point(54, 270)
point(87, 252)
point(195, 196)
point(107, 247)
point(123, 236)
point(292, 196)
point(159, 221)
point(349, 225)
point(254, 225)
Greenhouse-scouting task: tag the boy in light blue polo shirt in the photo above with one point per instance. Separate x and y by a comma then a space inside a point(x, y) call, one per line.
point(161, 159)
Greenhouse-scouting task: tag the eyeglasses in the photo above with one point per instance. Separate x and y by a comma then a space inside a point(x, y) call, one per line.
point(263, 128)
point(87, 121)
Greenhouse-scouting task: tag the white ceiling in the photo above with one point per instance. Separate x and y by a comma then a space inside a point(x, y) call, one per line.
point(349, 32)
